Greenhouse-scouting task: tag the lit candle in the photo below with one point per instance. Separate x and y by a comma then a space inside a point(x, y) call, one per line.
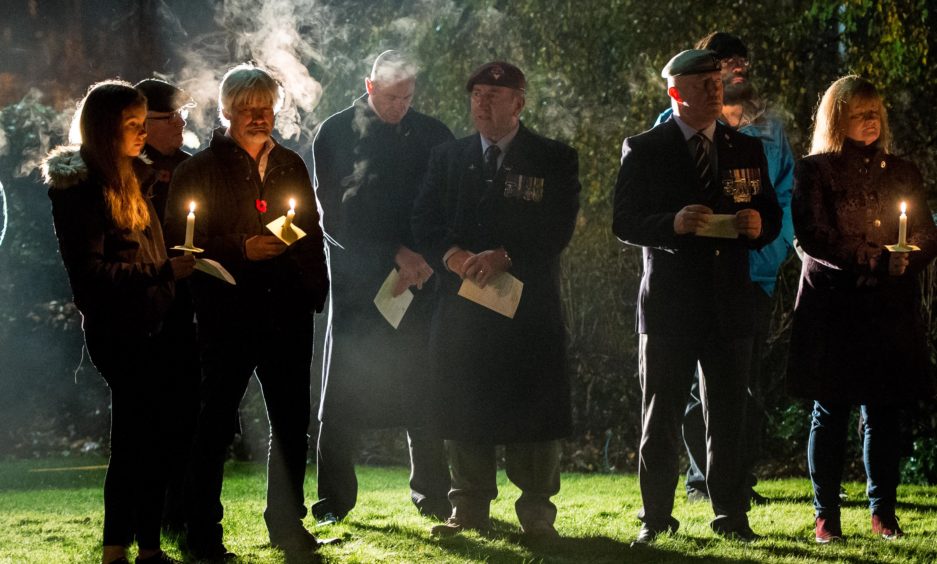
point(290, 214)
point(903, 226)
point(190, 226)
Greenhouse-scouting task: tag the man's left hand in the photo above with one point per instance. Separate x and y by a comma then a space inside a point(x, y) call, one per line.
point(413, 270)
point(485, 266)
point(748, 223)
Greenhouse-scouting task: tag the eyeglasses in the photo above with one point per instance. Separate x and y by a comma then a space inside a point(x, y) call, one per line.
point(182, 114)
point(733, 62)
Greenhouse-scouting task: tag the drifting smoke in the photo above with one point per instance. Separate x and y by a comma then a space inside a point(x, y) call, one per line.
point(278, 36)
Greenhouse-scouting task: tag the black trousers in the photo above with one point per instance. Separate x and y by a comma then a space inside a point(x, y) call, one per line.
point(338, 485)
point(281, 358)
point(136, 474)
point(182, 377)
point(694, 426)
point(667, 365)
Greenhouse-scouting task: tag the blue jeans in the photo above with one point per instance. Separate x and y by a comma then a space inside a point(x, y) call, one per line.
point(827, 449)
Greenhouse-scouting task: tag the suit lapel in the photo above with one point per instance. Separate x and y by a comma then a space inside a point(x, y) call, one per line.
point(683, 167)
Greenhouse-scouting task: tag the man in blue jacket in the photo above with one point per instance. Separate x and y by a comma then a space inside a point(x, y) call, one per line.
point(745, 111)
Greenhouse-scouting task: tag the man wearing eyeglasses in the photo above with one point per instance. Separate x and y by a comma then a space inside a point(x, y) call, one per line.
point(744, 110)
point(167, 107)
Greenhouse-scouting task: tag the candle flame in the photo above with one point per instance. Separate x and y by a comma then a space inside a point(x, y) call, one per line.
point(292, 204)
point(192, 207)
point(904, 207)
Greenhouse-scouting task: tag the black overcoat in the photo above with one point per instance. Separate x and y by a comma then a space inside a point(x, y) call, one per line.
point(500, 380)
point(858, 333)
point(690, 284)
point(367, 175)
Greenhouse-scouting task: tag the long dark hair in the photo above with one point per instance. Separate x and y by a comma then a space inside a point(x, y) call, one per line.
point(101, 127)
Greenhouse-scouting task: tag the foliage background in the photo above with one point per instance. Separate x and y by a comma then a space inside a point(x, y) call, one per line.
point(593, 70)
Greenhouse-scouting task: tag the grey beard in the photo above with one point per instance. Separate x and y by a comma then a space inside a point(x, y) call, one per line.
point(737, 93)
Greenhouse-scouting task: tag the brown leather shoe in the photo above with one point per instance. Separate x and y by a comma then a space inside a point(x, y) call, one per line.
point(455, 525)
point(540, 532)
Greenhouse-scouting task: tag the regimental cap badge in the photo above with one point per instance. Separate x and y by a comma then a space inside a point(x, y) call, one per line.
point(498, 73)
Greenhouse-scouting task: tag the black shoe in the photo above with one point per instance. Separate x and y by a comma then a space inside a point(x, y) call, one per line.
point(648, 532)
point(694, 495)
point(215, 554)
point(739, 531)
point(158, 558)
point(300, 542)
point(438, 511)
point(756, 498)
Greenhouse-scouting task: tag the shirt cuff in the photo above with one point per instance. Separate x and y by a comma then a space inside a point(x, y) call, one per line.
point(445, 258)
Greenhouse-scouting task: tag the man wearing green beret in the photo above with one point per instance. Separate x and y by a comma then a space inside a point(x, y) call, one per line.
point(696, 196)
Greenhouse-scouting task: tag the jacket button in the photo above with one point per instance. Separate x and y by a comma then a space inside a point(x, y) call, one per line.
point(717, 252)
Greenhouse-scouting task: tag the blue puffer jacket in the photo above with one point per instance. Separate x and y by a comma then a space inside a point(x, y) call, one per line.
point(765, 262)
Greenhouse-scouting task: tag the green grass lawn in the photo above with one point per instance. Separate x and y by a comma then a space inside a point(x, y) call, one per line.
point(55, 516)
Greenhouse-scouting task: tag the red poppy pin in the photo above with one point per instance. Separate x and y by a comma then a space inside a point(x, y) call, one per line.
point(164, 176)
point(261, 205)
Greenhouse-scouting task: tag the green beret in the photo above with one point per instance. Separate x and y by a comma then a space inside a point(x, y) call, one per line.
point(691, 61)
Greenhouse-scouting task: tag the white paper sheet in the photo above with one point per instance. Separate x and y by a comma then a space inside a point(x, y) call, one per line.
point(502, 295)
point(288, 236)
point(393, 309)
point(214, 268)
point(721, 225)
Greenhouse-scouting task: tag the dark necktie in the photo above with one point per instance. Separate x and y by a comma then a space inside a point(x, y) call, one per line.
point(703, 168)
point(491, 162)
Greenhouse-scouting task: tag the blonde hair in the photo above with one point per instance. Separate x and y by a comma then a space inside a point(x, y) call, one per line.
point(100, 123)
point(829, 133)
point(245, 84)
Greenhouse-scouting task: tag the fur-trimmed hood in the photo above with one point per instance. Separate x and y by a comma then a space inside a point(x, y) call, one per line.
point(64, 167)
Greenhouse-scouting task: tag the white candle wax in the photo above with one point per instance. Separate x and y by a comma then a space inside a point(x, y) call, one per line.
point(903, 227)
point(290, 214)
point(190, 226)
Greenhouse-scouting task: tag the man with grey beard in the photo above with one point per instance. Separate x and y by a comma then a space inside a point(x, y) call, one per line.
point(744, 110)
point(264, 323)
point(369, 162)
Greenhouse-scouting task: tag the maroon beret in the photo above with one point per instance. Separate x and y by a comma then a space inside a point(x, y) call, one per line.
point(497, 73)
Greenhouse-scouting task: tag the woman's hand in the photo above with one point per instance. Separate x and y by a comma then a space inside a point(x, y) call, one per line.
point(182, 266)
point(897, 263)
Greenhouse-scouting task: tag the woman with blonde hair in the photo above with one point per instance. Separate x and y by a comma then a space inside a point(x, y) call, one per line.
point(858, 336)
point(122, 281)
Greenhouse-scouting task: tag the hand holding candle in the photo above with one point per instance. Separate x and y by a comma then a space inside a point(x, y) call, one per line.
point(290, 215)
point(190, 226)
point(903, 226)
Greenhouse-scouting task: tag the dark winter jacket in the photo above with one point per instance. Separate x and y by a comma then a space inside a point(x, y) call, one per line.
point(234, 204)
point(163, 167)
point(121, 279)
point(858, 333)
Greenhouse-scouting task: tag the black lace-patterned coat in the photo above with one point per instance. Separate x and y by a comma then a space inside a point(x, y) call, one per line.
point(858, 333)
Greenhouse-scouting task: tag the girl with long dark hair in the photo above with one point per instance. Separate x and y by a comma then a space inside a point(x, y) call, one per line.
point(122, 281)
